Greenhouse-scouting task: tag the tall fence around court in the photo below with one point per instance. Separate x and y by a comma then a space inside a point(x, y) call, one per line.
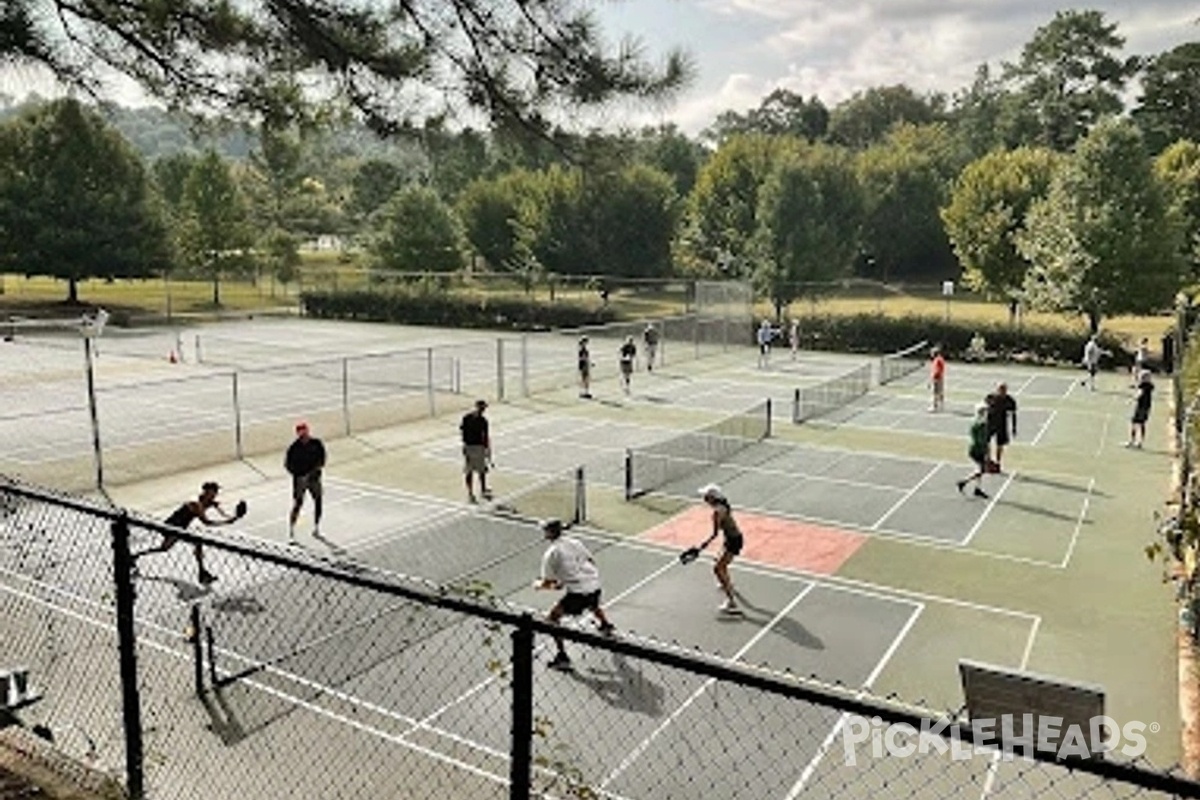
point(337, 676)
point(120, 430)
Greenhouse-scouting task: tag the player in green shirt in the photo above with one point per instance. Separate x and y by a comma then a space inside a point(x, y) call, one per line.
point(978, 451)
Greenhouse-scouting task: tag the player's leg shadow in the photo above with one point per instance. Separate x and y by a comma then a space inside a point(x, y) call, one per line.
point(624, 687)
point(790, 629)
point(184, 590)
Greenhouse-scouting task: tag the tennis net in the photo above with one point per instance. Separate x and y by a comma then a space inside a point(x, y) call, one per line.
point(815, 401)
point(901, 363)
point(658, 465)
point(323, 634)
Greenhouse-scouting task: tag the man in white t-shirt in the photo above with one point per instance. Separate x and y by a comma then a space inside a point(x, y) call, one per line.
point(567, 564)
point(1092, 351)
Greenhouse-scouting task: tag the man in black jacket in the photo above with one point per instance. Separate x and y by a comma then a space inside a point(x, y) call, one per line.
point(477, 449)
point(304, 462)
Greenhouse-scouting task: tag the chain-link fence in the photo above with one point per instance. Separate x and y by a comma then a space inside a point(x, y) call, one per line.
point(118, 428)
point(336, 675)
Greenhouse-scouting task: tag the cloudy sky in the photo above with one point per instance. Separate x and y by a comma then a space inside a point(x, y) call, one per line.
point(832, 48)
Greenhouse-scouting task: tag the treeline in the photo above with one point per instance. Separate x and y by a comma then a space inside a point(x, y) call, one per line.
point(1034, 184)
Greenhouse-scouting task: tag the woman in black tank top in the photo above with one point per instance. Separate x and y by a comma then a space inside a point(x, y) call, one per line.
point(184, 516)
point(725, 524)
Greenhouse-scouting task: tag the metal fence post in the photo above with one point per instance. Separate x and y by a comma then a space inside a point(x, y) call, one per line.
point(237, 417)
point(520, 769)
point(197, 649)
point(95, 414)
point(525, 365)
point(429, 381)
point(346, 394)
point(499, 369)
point(131, 705)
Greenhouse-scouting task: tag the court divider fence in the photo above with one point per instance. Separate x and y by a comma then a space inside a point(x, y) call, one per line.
point(407, 687)
point(221, 410)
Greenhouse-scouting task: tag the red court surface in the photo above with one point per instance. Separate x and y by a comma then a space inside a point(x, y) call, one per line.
point(769, 540)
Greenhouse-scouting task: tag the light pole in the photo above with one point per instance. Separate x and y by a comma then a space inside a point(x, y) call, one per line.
point(89, 329)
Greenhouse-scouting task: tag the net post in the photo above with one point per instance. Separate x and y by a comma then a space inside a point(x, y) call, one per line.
point(580, 497)
point(628, 475)
point(237, 418)
point(499, 369)
point(199, 357)
point(211, 651)
point(429, 381)
point(521, 761)
point(770, 420)
point(796, 407)
point(197, 649)
point(346, 394)
point(97, 451)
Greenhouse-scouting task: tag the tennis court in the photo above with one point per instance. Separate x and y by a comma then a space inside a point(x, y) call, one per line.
point(864, 565)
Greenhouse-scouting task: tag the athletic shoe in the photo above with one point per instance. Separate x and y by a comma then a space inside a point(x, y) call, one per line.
point(560, 662)
point(961, 485)
point(981, 493)
point(471, 499)
point(487, 494)
point(207, 577)
point(729, 608)
point(608, 628)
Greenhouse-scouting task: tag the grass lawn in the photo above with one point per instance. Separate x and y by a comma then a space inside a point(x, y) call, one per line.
point(45, 297)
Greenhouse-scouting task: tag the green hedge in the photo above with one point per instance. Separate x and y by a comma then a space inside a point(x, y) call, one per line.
point(450, 310)
point(876, 333)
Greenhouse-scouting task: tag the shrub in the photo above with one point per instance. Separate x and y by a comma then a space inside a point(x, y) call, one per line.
point(876, 333)
point(412, 306)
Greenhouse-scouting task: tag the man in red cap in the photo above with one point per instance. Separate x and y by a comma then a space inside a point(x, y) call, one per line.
point(304, 462)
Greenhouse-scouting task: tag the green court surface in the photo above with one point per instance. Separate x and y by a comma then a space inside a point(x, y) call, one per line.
point(1046, 574)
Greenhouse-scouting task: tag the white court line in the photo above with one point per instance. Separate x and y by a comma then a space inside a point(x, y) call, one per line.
point(988, 510)
point(308, 706)
point(1103, 433)
point(1079, 523)
point(907, 495)
point(646, 742)
point(811, 768)
point(1025, 385)
point(1045, 425)
point(993, 769)
point(425, 723)
point(914, 539)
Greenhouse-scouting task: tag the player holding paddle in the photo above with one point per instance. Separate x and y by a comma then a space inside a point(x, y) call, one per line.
point(193, 510)
point(568, 565)
point(723, 523)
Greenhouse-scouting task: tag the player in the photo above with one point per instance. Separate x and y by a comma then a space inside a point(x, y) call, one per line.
point(585, 369)
point(628, 354)
point(1141, 410)
point(977, 450)
point(765, 335)
point(567, 564)
point(723, 523)
point(794, 339)
point(187, 513)
point(650, 338)
point(304, 461)
point(1141, 362)
point(1001, 405)
point(477, 450)
point(1092, 351)
point(937, 379)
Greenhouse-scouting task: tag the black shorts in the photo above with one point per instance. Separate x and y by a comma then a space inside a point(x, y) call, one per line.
point(574, 604)
point(585, 368)
point(979, 457)
point(733, 545)
point(1140, 414)
point(1000, 434)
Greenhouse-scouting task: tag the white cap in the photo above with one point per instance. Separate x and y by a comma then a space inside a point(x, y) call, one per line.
point(713, 491)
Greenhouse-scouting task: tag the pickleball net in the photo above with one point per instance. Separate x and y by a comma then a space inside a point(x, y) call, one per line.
point(664, 463)
point(820, 399)
point(305, 632)
point(902, 362)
